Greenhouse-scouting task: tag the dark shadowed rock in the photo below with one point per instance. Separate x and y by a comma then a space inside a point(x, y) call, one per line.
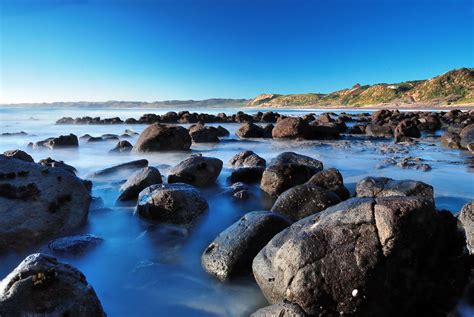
point(282, 309)
point(267, 131)
point(38, 203)
point(318, 130)
point(451, 139)
point(247, 159)
point(63, 141)
point(124, 167)
point(232, 252)
point(49, 162)
point(384, 187)
point(204, 134)
point(196, 170)
point(122, 146)
point(249, 130)
point(467, 138)
point(20, 155)
point(42, 286)
point(331, 180)
point(247, 175)
point(389, 256)
point(466, 218)
point(290, 128)
point(138, 181)
point(298, 159)
point(406, 129)
point(171, 203)
point(74, 244)
point(304, 200)
point(375, 130)
point(222, 131)
point(158, 137)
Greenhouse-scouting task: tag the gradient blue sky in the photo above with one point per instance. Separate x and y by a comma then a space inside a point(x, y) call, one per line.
point(101, 50)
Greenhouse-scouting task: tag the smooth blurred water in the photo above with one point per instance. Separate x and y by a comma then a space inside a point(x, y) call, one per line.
point(145, 269)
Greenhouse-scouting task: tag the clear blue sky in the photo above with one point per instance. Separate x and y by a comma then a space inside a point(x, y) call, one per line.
point(101, 50)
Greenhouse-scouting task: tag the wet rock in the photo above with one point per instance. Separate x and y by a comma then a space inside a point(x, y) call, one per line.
point(158, 137)
point(467, 138)
point(122, 147)
point(415, 163)
point(319, 130)
point(389, 256)
point(298, 159)
point(330, 179)
point(38, 203)
point(375, 130)
point(249, 130)
point(451, 139)
point(42, 286)
point(406, 129)
point(232, 251)
point(63, 141)
point(196, 170)
point(290, 128)
point(282, 309)
point(466, 218)
point(124, 167)
point(20, 155)
point(204, 134)
point(247, 175)
point(381, 116)
point(94, 139)
point(222, 132)
point(74, 244)
point(177, 203)
point(138, 181)
point(21, 133)
point(247, 159)
point(357, 129)
point(49, 162)
point(384, 187)
point(304, 200)
point(267, 131)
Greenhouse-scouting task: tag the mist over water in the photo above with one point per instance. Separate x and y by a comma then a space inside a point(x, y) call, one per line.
point(141, 267)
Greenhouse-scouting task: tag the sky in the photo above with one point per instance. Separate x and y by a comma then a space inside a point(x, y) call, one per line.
point(99, 50)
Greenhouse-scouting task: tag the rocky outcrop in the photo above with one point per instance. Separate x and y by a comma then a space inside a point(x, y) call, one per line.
point(387, 256)
point(171, 203)
point(38, 203)
point(158, 137)
point(196, 170)
point(138, 181)
point(20, 155)
point(42, 286)
point(232, 251)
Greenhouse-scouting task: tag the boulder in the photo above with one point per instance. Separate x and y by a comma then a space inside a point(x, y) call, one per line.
point(138, 181)
point(124, 167)
point(247, 175)
point(291, 127)
point(466, 218)
point(384, 187)
point(388, 256)
point(222, 131)
point(467, 138)
point(267, 131)
point(63, 141)
point(20, 155)
point(49, 162)
point(247, 159)
point(74, 244)
point(42, 286)
point(331, 180)
point(204, 134)
point(304, 200)
point(158, 137)
point(122, 146)
point(297, 159)
point(232, 251)
point(451, 139)
point(38, 203)
point(196, 170)
point(376, 130)
point(282, 309)
point(406, 129)
point(318, 130)
point(171, 203)
point(249, 130)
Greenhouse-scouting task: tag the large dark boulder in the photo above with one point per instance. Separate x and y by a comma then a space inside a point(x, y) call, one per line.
point(20, 155)
point(121, 168)
point(122, 147)
point(171, 203)
point(196, 170)
point(249, 130)
point(63, 141)
point(138, 181)
point(327, 130)
point(304, 200)
point(38, 203)
point(232, 251)
point(388, 256)
point(42, 286)
point(247, 159)
point(406, 129)
point(158, 137)
point(384, 187)
point(297, 159)
point(204, 134)
point(291, 127)
point(247, 175)
point(330, 179)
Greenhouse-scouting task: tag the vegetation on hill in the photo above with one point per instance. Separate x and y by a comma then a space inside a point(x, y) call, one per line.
point(453, 87)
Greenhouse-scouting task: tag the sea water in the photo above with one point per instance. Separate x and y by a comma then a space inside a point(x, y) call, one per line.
point(145, 269)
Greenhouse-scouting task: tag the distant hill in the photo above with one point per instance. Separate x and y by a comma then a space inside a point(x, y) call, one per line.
point(452, 88)
point(209, 103)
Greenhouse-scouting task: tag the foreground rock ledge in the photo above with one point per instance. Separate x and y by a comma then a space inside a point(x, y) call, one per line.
point(389, 256)
point(38, 203)
point(42, 286)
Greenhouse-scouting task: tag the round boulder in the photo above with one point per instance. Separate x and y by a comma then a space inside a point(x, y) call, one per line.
point(331, 180)
point(291, 127)
point(247, 159)
point(159, 137)
point(171, 203)
point(249, 130)
point(196, 170)
point(384, 187)
point(138, 181)
point(42, 286)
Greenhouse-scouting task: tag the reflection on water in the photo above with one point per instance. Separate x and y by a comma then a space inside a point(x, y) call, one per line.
point(143, 268)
